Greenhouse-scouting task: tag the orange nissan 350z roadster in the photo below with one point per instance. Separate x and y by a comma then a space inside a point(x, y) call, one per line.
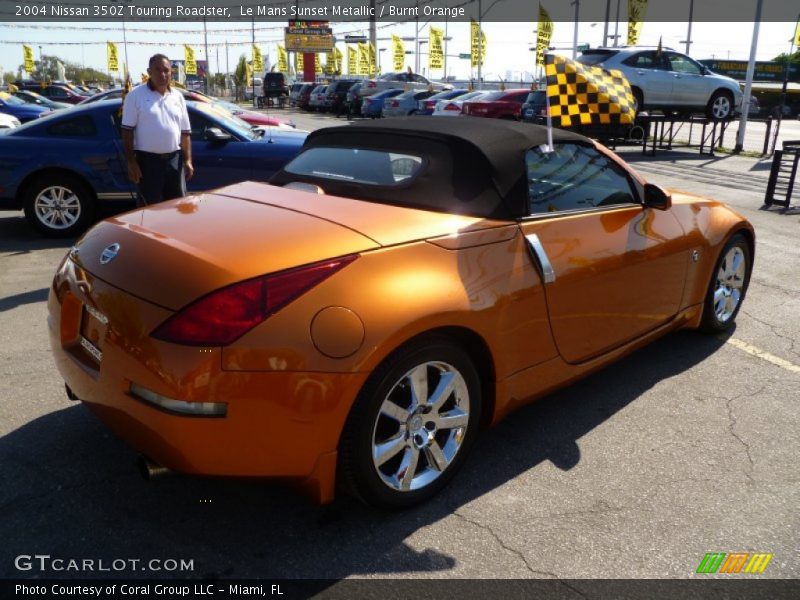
point(395, 288)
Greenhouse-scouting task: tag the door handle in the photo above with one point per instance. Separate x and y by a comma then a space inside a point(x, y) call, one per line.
point(548, 274)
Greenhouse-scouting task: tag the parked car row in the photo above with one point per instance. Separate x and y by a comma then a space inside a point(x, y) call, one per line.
point(68, 168)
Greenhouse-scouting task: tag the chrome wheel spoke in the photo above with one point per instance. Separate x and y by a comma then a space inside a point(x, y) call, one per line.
point(408, 468)
point(436, 457)
point(391, 410)
point(453, 419)
point(388, 449)
point(418, 378)
point(443, 390)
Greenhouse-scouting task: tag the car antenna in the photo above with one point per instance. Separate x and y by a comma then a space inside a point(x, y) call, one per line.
point(549, 147)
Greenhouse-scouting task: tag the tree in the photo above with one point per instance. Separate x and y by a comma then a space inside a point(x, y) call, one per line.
point(240, 77)
point(47, 70)
point(782, 58)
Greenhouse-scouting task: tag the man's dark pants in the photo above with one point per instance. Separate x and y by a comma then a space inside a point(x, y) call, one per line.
point(162, 177)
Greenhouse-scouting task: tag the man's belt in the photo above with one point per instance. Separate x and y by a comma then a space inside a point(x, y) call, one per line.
point(165, 156)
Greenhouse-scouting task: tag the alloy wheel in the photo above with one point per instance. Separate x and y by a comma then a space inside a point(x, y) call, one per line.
point(57, 207)
point(420, 426)
point(730, 283)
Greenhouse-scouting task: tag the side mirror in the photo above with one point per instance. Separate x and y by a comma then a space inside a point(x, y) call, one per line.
point(705, 71)
point(655, 197)
point(215, 134)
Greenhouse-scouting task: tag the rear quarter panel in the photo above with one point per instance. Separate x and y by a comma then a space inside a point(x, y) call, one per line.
point(400, 292)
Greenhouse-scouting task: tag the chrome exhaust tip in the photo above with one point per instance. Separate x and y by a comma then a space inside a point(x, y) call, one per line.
point(150, 470)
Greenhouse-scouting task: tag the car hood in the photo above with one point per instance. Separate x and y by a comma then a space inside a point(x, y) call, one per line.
point(172, 253)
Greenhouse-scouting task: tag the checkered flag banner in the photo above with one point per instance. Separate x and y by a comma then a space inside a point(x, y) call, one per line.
point(584, 95)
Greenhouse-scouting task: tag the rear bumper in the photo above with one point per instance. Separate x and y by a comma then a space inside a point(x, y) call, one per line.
point(278, 424)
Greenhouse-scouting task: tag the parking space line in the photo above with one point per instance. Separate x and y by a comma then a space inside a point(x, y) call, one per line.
point(762, 354)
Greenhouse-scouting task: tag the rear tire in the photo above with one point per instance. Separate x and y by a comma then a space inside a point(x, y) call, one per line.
point(728, 286)
point(59, 205)
point(638, 100)
point(412, 425)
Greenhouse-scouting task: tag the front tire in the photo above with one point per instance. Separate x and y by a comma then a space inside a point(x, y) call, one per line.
point(728, 286)
point(720, 107)
point(412, 425)
point(59, 205)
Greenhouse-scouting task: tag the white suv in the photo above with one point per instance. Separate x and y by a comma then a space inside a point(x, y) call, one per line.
point(669, 80)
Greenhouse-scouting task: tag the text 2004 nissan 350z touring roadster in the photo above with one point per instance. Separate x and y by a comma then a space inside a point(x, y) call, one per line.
point(396, 287)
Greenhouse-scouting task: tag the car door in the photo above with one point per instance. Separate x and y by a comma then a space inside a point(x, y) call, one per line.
point(613, 269)
point(216, 163)
point(648, 71)
point(690, 87)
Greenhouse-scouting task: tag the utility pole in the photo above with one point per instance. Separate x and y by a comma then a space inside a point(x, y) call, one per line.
point(688, 40)
point(577, 4)
point(748, 86)
point(208, 59)
point(616, 27)
point(786, 72)
point(480, 45)
point(372, 31)
point(605, 26)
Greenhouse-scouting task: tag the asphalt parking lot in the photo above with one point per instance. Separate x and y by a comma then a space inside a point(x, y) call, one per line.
point(686, 447)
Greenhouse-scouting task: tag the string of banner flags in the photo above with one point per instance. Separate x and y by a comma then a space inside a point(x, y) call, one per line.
point(361, 60)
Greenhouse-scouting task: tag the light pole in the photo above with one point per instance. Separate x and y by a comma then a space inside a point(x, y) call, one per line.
point(577, 4)
point(748, 85)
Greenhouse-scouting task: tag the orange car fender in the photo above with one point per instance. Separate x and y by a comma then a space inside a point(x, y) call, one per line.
point(708, 225)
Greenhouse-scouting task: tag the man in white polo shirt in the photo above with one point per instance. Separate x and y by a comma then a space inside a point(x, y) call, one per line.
point(156, 136)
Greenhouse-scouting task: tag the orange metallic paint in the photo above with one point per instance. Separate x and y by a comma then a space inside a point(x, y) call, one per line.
point(623, 277)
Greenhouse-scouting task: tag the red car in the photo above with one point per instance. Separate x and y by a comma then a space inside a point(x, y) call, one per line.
point(505, 104)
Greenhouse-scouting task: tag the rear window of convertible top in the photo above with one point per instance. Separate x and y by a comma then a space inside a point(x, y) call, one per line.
point(357, 165)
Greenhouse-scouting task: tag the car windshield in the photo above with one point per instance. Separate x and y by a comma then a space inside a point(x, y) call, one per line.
point(535, 97)
point(229, 121)
point(356, 165)
point(469, 96)
point(9, 99)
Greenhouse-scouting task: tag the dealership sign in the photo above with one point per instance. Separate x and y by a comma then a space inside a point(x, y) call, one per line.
point(309, 36)
point(765, 71)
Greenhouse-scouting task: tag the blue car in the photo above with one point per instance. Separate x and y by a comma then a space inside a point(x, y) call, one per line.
point(427, 105)
point(65, 169)
point(16, 107)
point(372, 106)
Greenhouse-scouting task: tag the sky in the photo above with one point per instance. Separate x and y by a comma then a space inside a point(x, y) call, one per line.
point(507, 43)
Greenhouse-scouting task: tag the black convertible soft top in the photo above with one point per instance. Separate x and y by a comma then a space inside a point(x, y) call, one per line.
point(474, 165)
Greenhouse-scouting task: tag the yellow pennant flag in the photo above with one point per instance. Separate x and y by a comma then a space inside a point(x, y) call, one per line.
point(363, 59)
point(544, 31)
point(145, 77)
point(373, 65)
point(337, 60)
point(27, 58)
point(398, 53)
point(435, 51)
point(478, 53)
point(797, 36)
point(636, 10)
point(330, 63)
point(352, 61)
point(283, 60)
point(190, 64)
point(317, 64)
point(113, 60)
point(298, 62)
point(258, 61)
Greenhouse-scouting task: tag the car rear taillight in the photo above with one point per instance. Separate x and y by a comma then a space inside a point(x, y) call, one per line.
point(430, 103)
point(393, 103)
point(452, 106)
point(224, 316)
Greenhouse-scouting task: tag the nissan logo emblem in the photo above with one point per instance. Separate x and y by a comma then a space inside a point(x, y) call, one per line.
point(109, 254)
